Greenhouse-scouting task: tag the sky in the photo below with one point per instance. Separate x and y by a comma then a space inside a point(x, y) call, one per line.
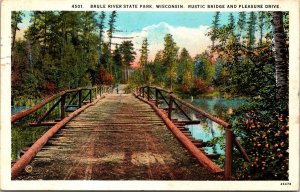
point(188, 29)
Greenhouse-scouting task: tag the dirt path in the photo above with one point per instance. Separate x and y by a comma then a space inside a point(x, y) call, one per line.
point(119, 138)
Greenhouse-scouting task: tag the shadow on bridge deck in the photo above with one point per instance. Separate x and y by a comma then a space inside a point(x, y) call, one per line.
point(119, 138)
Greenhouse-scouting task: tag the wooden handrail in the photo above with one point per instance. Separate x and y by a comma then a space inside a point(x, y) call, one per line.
point(202, 112)
point(34, 108)
point(191, 106)
point(158, 88)
point(24, 113)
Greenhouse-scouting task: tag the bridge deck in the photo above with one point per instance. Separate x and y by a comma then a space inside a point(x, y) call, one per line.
point(120, 137)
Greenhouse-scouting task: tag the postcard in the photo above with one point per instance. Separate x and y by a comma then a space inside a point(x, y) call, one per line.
point(149, 95)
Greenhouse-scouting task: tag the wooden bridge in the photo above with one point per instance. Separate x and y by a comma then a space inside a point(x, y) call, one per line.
point(112, 136)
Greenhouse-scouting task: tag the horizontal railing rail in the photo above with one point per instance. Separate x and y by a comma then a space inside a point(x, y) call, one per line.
point(173, 101)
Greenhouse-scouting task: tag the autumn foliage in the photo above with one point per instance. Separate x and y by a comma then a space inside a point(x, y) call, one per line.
point(103, 77)
point(184, 88)
point(199, 86)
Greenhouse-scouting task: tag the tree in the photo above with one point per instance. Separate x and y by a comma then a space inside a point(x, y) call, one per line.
point(251, 28)
point(101, 30)
point(204, 68)
point(261, 24)
point(110, 31)
point(16, 18)
point(111, 25)
point(128, 56)
point(117, 64)
point(88, 26)
point(144, 57)
point(241, 25)
point(231, 24)
point(169, 59)
point(158, 69)
point(185, 68)
point(88, 40)
point(214, 29)
point(280, 53)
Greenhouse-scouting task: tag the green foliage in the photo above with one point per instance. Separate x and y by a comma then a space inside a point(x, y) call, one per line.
point(111, 25)
point(241, 25)
point(185, 68)
point(117, 64)
point(128, 56)
point(245, 76)
point(205, 68)
point(251, 28)
point(215, 28)
point(144, 61)
point(135, 80)
point(127, 52)
point(144, 53)
point(60, 50)
point(169, 60)
point(101, 31)
point(158, 69)
point(249, 71)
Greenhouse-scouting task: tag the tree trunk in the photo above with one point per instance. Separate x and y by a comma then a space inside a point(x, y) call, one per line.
point(281, 62)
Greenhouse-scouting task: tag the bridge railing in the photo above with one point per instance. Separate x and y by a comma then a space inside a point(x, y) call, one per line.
point(65, 101)
point(170, 102)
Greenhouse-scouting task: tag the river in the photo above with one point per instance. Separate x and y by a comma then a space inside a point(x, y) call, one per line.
point(208, 130)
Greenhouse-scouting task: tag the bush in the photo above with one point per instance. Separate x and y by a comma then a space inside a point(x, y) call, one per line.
point(199, 87)
point(103, 77)
point(184, 89)
point(265, 133)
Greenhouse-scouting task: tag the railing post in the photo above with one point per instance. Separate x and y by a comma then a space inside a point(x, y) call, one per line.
point(62, 106)
point(170, 107)
point(156, 97)
point(148, 93)
point(79, 98)
point(228, 153)
point(90, 95)
point(96, 92)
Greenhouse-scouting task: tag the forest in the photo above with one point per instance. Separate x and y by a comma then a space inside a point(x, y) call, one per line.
point(248, 57)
